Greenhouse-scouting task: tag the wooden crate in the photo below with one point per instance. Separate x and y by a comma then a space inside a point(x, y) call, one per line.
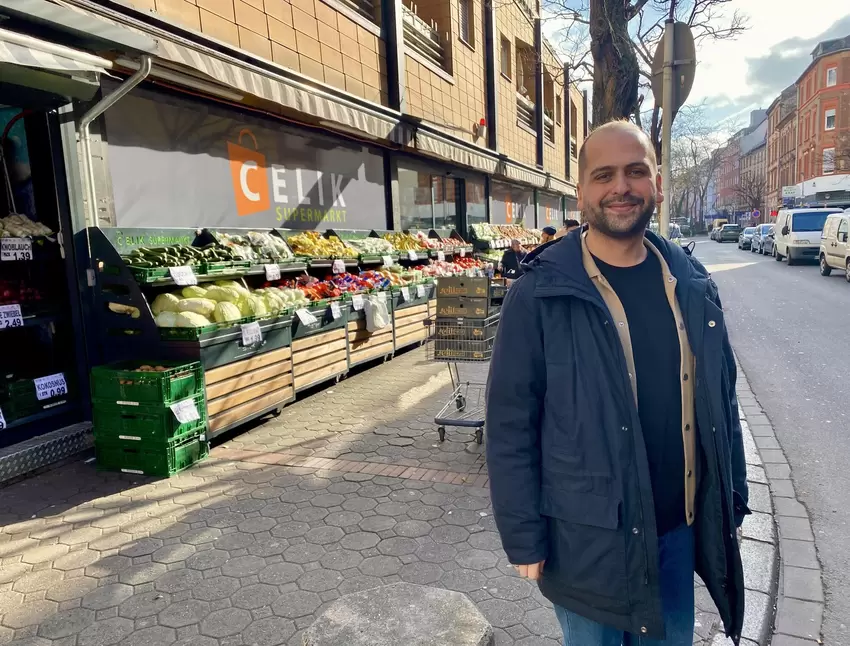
point(319, 357)
point(245, 389)
point(410, 325)
point(364, 345)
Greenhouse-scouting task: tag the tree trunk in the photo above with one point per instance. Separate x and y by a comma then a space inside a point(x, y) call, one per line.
point(615, 64)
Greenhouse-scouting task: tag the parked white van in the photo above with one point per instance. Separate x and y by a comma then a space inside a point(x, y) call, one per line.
point(798, 232)
point(834, 245)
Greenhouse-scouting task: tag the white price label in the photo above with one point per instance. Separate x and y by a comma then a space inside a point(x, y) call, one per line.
point(357, 301)
point(183, 275)
point(50, 386)
point(462, 252)
point(405, 293)
point(251, 333)
point(335, 311)
point(420, 291)
point(382, 297)
point(185, 411)
point(2, 420)
point(272, 272)
point(15, 249)
point(411, 255)
point(10, 316)
point(338, 267)
point(306, 317)
point(441, 255)
point(387, 260)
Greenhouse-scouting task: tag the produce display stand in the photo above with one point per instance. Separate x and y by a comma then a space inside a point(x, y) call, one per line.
point(366, 346)
point(318, 262)
point(410, 311)
point(457, 245)
point(405, 257)
point(364, 259)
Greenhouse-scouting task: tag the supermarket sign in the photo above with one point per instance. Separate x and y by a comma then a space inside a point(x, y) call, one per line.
point(175, 162)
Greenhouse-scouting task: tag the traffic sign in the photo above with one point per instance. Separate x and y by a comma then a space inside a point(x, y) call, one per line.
point(756, 213)
point(684, 67)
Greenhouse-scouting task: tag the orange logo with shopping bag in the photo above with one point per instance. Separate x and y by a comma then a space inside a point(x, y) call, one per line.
point(249, 172)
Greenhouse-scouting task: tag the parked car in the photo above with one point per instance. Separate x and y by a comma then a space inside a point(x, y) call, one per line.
point(760, 243)
point(797, 234)
point(728, 233)
point(745, 240)
point(834, 245)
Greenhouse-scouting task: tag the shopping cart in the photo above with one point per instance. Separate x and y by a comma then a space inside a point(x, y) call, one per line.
point(462, 340)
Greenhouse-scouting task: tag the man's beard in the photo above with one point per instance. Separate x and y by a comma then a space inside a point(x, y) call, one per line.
point(620, 226)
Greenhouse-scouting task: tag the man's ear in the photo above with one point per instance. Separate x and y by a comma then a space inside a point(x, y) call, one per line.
point(659, 197)
point(579, 198)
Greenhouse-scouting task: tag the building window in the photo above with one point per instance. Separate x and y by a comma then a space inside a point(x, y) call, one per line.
point(422, 34)
point(559, 108)
point(829, 120)
point(831, 76)
point(506, 57)
point(828, 160)
point(366, 8)
point(465, 15)
point(476, 202)
point(427, 201)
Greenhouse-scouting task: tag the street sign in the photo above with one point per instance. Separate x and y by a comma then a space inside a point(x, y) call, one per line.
point(684, 67)
point(756, 214)
point(789, 191)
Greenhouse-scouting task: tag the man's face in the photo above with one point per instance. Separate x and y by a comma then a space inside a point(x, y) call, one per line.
point(516, 246)
point(545, 237)
point(620, 186)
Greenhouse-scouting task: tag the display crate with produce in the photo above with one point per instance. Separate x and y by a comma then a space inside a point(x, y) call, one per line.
point(371, 247)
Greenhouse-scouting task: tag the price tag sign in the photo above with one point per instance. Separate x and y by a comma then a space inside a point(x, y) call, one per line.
point(420, 291)
point(411, 255)
point(272, 272)
point(305, 316)
point(441, 255)
point(382, 296)
point(335, 311)
point(338, 266)
point(50, 386)
point(357, 302)
point(10, 316)
point(183, 275)
point(15, 249)
point(185, 411)
point(405, 293)
point(387, 260)
point(251, 333)
point(462, 252)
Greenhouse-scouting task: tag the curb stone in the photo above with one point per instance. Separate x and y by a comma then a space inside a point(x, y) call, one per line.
point(783, 568)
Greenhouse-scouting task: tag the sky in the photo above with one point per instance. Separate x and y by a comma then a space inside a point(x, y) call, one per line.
point(736, 76)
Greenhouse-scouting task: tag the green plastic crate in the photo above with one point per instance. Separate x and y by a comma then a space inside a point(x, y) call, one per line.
point(163, 461)
point(122, 382)
point(151, 423)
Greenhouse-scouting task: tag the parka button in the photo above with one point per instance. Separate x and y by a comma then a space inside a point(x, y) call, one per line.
point(685, 377)
point(711, 324)
point(635, 530)
point(643, 629)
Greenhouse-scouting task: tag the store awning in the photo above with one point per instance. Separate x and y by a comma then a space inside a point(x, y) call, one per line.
point(435, 145)
point(26, 51)
point(287, 92)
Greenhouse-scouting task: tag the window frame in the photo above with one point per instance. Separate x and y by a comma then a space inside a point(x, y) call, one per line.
point(831, 156)
point(834, 71)
point(831, 112)
point(465, 9)
point(505, 56)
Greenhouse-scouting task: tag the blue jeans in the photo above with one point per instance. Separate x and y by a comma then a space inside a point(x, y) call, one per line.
point(676, 562)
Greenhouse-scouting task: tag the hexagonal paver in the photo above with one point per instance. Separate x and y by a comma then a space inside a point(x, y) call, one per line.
point(290, 529)
point(421, 573)
point(542, 621)
point(178, 580)
point(184, 613)
point(44, 553)
point(377, 523)
point(501, 613)
point(463, 580)
point(280, 573)
point(255, 596)
point(141, 547)
point(82, 535)
point(144, 604)
point(243, 566)
point(341, 559)
point(320, 580)
point(324, 535)
point(66, 623)
point(266, 547)
point(207, 559)
point(151, 636)
point(463, 517)
point(356, 583)
point(144, 573)
point(278, 510)
point(226, 622)
point(398, 546)
point(296, 604)
point(68, 589)
point(304, 553)
point(269, 631)
point(107, 596)
point(343, 518)
point(233, 541)
point(412, 528)
point(296, 496)
point(477, 559)
point(106, 632)
point(256, 525)
point(424, 512)
point(108, 566)
point(436, 552)
point(380, 566)
point(216, 588)
point(510, 588)
point(201, 535)
point(486, 541)
point(360, 541)
point(328, 500)
point(449, 534)
point(197, 640)
point(359, 504)
point(173, 553)
point(29, 614)
point(110, 541)
point(35, 581)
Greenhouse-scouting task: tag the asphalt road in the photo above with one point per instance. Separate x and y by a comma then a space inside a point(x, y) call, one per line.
point(791, 330)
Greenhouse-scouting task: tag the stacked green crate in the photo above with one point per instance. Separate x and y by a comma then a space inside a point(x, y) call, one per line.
point(149, 419)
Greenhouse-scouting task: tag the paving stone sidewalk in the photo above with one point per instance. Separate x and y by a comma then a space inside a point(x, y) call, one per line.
point(347, 489)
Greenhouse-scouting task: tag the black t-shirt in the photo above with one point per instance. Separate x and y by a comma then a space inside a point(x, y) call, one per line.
point(657, 357)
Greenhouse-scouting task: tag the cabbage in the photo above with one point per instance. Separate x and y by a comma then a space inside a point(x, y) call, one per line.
point(202, 306)
point(192, 319)
point(164, 303)
point(193, 291)
point(166, 319)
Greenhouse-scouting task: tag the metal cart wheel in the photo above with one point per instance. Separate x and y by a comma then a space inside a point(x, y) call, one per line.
point(460, 402)
point(441, 431)
point(276, 412)
point(479, 435)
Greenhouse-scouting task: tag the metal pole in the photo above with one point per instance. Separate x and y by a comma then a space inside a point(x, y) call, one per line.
point(85, 135)
point(666, 125)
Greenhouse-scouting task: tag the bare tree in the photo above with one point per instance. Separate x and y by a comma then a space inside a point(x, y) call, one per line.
point(622, 36)
point(841, 156)
point(751, 190)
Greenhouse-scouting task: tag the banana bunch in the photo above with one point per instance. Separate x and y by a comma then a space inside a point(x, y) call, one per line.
point(311, 243)
point(404, 241)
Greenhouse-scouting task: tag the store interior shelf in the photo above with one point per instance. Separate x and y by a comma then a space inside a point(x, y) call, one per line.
point(256, 270)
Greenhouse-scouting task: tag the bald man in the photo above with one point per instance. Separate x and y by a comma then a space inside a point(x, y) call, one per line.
point(614, 447)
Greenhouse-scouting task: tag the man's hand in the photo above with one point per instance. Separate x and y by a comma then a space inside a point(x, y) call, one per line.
point(532, 571)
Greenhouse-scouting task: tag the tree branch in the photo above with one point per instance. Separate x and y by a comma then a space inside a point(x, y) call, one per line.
point(634, 9)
